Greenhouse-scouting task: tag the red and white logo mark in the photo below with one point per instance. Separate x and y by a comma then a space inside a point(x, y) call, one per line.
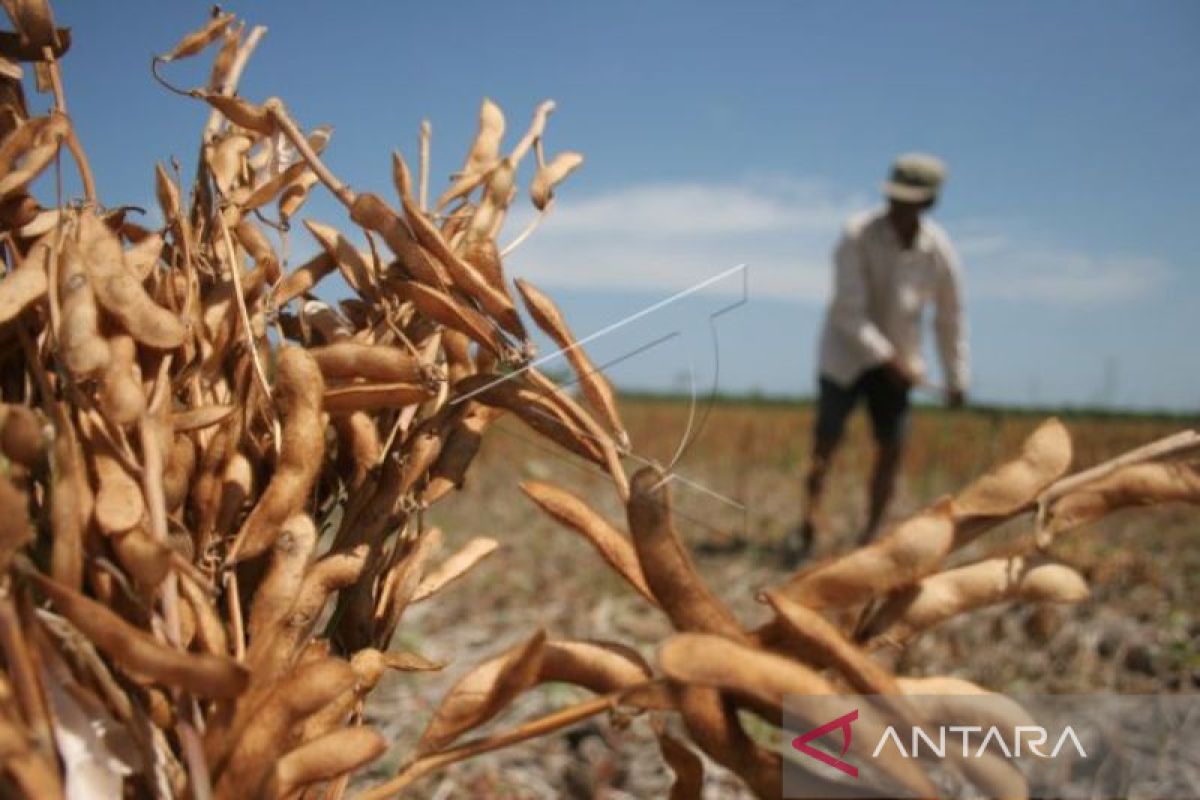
point(843, 722)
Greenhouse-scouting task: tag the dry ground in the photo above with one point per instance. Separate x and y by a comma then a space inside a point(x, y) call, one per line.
point(1139, 633)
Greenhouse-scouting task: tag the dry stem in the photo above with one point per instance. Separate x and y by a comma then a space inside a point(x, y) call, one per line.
point(538, 727)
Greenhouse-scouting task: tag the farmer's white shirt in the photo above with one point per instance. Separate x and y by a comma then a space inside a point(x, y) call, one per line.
point(880, 292)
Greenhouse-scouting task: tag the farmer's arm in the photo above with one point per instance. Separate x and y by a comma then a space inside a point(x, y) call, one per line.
point(951, 327)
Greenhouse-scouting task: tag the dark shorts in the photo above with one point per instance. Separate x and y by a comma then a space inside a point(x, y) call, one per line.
point(886, 401)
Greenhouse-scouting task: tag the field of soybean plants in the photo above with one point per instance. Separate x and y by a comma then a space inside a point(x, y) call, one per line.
point(1137, 631)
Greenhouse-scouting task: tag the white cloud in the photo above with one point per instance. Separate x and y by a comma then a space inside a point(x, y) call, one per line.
point(1057, 276)
point(671, 236)
point(701, 209)
point(668, 236)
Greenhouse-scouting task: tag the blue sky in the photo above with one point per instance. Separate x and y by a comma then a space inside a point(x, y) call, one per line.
point(725, 133)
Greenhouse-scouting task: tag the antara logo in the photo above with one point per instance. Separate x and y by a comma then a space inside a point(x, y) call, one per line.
point(842, 722)
point(1032, 737)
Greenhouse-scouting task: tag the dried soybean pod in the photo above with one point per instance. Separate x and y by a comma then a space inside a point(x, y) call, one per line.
point(441, 308)
point(804, 634)
point(35, 22)
point(142, 257)
point(70, 507)
point(483, 693)
point(422, 449)
point(548, 176)
point(482, 253)
point(612, 545)
point(196, 419)
point(21, 437)
point(553, 413)
point(595, 385)
point(180, 469)
point(240, 112)
point(252, 238)
point(223, 62)
point(713, 725)
point(354, 265)
point(542, 412)
point(597, 436)
point(764, 679)
point(349, 398)
point(120, 293)
point(668, 567)
point(205, 496)
point(495, 302)
point(359, 448)
point(1013, 486)
point(332, 573)
point(462, 443)
point(298, 392)
point(26, 285)
point(19, 134)
point(209, 627)
point(236, 486)
point(454, 567)
point(334, 754)
point(906, 553)
point(490, 213)
point(369, 665)
point(267, 190)
point(226, 159)
point(143, 557)
point(303, 278)
point(268, 733)
point(370, 211)
point(197, 40)
point(1133, 485)
point(965, 703)
point(939, 597)
point(350, 360)
point(83, 349)
point(167, 194)
point(537, 128)
point(119, 504)
point(959, 702)
point(481, 158)
point(279, 587)
point(399, 584)
point(600, 667)
point(121, 395)
point(294, 195)
point(36, 158)
point(137, 651)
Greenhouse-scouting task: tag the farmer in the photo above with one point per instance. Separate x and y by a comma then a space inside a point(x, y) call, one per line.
point(889, 265)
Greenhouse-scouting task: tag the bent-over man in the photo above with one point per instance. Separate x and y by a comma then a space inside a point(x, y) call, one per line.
point(888, 267)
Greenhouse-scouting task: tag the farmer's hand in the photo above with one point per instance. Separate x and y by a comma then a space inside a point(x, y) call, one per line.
point(898, 374)
point(955, 398)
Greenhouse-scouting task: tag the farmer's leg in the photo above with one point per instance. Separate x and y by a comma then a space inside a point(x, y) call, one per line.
point(834, 404)
point(888, 403)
